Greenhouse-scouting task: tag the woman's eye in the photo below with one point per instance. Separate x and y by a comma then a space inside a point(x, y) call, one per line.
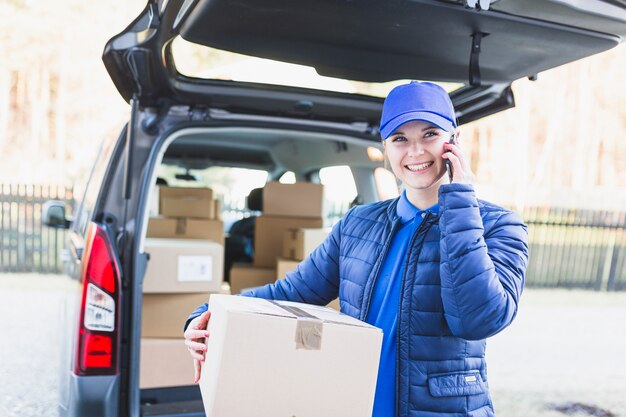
point(430, 135)
point(399, 139)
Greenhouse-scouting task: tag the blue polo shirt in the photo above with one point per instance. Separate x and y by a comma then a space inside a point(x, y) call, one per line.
point(383, 312)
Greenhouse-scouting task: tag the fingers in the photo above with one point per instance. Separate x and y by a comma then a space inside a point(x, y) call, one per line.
point(454, 162)
point(456, 151)
point(196, 349)
point(203, 320)
point(195, 340)
point(196, 355)
point(195, 334)
point(197, 370)
point(460, 173)
point(195, 345)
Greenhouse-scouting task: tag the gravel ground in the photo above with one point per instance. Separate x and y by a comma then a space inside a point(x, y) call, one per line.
point(566, 348)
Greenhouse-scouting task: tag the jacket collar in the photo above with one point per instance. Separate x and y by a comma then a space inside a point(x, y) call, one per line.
point(401, 209)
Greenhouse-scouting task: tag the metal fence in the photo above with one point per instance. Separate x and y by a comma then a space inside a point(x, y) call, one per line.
point(573, 248)
point(569, 248)
point(26, 245)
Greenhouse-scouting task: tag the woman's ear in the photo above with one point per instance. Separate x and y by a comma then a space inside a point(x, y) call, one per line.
point(457, 136)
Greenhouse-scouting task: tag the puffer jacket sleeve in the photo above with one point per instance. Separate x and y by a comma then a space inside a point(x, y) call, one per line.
point(483, 263)
point(315, 280)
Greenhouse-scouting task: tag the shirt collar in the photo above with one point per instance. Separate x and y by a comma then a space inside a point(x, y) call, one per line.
point(407, 211)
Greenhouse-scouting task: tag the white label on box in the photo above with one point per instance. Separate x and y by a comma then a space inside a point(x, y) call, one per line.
point(195, 268)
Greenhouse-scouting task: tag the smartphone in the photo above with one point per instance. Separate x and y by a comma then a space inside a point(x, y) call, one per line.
point(448, 164)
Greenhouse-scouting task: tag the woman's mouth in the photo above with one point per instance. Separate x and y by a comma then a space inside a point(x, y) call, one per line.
point(419, 167)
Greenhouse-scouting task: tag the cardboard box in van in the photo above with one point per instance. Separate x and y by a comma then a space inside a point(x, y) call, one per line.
point(303, 199)
point(268, 236)
point(164, 315)
point(186, 228)
point(164, 363)
point(183, 265)
point(299, 243)
point(186, 202)
point(285, 265)
point(260, 349)
point(246, 276)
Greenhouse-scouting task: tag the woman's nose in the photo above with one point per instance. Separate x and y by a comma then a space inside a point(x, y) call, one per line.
point(416, 148)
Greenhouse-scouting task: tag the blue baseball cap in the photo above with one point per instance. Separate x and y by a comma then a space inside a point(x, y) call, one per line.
point(417, 101)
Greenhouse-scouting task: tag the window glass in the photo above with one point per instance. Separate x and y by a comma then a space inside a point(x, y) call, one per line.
point(86, 194)
point(386, 184)
point(288, 178)
point(200, 61)
point(339, 191)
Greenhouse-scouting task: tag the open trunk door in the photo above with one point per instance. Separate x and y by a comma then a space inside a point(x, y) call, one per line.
point(481, 45)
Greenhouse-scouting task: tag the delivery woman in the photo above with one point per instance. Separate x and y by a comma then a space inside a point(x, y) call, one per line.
point(437, 269)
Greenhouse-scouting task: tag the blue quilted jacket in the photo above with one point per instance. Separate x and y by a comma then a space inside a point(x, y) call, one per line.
point(463, 279)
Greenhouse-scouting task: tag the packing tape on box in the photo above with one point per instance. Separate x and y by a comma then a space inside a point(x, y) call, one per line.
point(308, 328)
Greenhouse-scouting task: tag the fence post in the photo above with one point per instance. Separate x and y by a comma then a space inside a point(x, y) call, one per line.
point(613, 267)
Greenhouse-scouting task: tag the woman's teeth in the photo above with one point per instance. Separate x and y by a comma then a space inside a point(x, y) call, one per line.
point(419, 167)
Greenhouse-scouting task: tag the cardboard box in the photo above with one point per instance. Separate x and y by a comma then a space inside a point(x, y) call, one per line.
point(285, 265)
point(245, 276)
point(185, 228)
point(303, 199)
point(299, 243)
point(183, 265)
point(259, 348)
point(186, 202)
point(164, 363)
point(217, 209)
point(164, 315)
point(268, 236)
point(188, 207)
point(203, 193)
point(334, 304)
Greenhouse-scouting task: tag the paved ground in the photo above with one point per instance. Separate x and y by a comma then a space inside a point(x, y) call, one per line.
point(30, 309)
point(565, 347)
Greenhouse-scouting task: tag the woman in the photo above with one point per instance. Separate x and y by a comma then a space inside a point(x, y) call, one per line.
point(438, 270)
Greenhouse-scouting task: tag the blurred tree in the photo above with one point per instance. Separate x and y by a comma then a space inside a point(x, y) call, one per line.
point(562, 144)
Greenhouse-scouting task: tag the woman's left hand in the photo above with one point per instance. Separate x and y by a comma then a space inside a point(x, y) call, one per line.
point(461, 172)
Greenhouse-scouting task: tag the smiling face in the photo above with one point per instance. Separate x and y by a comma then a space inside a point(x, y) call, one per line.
point(414, 151)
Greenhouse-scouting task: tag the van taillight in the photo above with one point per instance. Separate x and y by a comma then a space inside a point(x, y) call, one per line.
point(97, 332)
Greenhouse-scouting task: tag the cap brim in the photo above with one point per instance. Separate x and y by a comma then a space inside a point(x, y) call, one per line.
point(393, 125)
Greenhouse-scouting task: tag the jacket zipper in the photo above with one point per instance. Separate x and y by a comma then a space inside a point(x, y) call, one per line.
point(394, 226)
point(418, 231)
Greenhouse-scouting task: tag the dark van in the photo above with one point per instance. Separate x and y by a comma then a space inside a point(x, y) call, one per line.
point(227, 96)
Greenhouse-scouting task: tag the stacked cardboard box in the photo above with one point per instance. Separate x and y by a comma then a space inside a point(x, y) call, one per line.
point(297, 245)
point(247, 276)
point(186, 248)
point(187, 213)
point(285, 206)
point(287, 232)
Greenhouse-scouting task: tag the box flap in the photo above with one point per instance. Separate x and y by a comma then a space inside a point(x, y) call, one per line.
point(287, 309)
point(328, 315)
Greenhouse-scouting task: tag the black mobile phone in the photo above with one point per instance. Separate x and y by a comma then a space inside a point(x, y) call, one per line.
point(448, 164)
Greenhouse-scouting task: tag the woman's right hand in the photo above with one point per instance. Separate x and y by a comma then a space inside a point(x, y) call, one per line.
point(195, 336)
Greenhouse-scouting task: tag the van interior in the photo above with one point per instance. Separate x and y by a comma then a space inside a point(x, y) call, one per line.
point(235, 163)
